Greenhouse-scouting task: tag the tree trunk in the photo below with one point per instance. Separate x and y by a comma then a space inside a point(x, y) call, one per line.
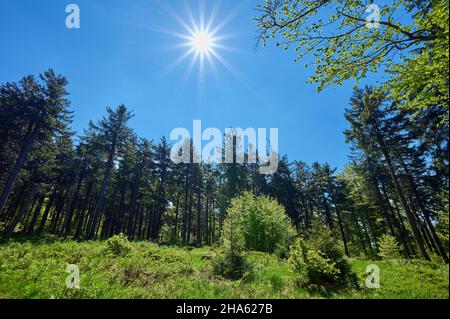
point(177, 212)
point(36, 215)
point(12, 226)
point(26, 147)
point(338, 214)
point(198, 225)
point(185, 215)
point(65, 229)
point(425, 213)
point(101, 196)
point(401, 195)
point(82, 210)
point(48, 206)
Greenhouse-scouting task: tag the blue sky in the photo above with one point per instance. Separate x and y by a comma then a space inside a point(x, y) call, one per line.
point(123, 52)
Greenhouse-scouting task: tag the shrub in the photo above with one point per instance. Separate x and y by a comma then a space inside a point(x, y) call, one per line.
point(256, 223)
point(231, 265)
point(320, 260)
point(388, 247)
point(317, 269)
point(118, 246)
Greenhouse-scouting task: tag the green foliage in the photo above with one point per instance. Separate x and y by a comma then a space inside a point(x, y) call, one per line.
point(296, 23)
point(335, 34)
point(319, 259)
point(422, 79)
point(256, 223)
point(388, 247)
point(36, 269)
point(118, 246)
point(230, 265)
point(313, 265)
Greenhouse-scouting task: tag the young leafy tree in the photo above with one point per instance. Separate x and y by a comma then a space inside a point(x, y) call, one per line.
point(256, 223)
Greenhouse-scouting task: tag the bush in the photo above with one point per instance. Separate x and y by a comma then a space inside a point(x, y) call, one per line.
point(320, 260)
point(388, 247)
point(231, 265)
point(257, 223)
point(118, 246)
point(315, 267)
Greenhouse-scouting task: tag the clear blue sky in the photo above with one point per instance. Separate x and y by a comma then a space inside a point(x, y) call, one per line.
point(122, 54)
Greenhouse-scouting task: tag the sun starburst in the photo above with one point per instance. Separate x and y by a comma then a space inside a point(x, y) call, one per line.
point(202, 40)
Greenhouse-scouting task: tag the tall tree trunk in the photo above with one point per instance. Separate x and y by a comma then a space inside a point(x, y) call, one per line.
point(37, 211)
point(401, 195)
point(25, 149)
point(206, 236)
point(102, 193)
point(12, 226)
point(328, 217)
point(338, 214)
point(185, 215)
point(366, 233)
point(189, 221)
point(399, 225)
point(398, 213)
point(198, 225)
point(381, 203)
point(213, 233)
point(82, 210)
point(67, 223)
point(119, 215)
point(48, 206)
point(59, 209)
point(12, 207)
point(359, 234)
point(177, 213)
point(425, 213)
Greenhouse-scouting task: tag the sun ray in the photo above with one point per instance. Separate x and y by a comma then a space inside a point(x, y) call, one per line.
point(213, 15)
point(227, 65)
point(202, 15)
point(174, 15)
point(222, 24)
point(216, 45)
point(194, 29)
point(180, 59)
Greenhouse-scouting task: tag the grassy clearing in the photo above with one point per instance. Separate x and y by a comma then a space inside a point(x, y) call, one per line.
point(36, 269)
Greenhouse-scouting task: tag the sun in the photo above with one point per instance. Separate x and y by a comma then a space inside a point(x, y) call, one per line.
point(202, 42)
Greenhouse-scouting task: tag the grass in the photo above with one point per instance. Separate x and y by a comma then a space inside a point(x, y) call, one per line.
point(35, 268)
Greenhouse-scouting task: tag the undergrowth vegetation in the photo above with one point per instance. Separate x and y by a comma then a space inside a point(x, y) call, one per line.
point(35, 268)
point(320, 260)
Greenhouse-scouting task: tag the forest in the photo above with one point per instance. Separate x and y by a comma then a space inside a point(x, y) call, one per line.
point(108, 184)
point(112, 181)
